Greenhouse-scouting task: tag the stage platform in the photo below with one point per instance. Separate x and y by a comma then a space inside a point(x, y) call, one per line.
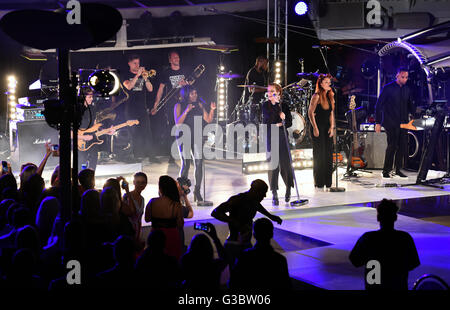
point(317, 238)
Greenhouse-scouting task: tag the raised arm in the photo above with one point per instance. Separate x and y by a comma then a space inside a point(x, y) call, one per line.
point(48, 151)
point(208, 117)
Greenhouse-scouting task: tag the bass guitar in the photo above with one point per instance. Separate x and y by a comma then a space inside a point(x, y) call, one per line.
point(357, 159)
point(83, 145)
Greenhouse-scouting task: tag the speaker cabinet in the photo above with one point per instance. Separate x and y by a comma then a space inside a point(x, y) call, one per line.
point(27, 142)
point(375, 148)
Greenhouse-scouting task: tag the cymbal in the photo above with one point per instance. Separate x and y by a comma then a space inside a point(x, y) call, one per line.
point(46, 30)
point(253, 86)
point(230, 76)
point(308, 74)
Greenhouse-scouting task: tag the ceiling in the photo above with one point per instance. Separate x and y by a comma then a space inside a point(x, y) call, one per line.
point(53, 4)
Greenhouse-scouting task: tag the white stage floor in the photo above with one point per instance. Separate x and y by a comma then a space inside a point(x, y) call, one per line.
point(224, 179)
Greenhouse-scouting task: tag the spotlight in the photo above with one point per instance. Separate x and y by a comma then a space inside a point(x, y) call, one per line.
point(11, 79)
point(222, 68)
point(104, 82)
point(301, 8)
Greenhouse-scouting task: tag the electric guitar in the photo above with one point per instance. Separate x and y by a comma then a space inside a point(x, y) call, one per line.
point(357, 160)
point(83, 145)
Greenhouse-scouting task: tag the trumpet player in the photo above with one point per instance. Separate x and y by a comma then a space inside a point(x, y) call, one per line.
point(136, 81)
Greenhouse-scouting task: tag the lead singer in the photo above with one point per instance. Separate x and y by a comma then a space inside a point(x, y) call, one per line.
point(275, 111)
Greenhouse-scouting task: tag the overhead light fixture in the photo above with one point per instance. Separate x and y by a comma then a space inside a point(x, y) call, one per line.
point(301, 8)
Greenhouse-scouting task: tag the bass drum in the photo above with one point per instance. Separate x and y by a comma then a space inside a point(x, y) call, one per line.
point(297, 131)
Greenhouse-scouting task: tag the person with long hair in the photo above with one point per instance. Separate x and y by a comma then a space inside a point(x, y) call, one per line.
point(165, 213)
point(276, 111)
point(321, 116)
point(186, 111)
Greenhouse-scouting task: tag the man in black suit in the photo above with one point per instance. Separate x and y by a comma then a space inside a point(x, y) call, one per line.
point(392, 109)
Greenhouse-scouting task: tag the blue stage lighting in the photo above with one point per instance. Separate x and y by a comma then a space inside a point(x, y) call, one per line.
point(301, 8)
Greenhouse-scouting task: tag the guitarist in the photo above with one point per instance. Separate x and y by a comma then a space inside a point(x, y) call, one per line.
point(392, 108)
point(89, 157)
point(173, 77)
point(138, 87)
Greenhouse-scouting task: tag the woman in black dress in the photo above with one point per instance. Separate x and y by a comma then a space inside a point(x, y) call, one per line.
point(321, 115)
point(185, 112)
point(275, 111)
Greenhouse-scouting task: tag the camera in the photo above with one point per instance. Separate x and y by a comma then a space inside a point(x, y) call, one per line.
point(185, 183)
point(201, 226)
point(4, 166)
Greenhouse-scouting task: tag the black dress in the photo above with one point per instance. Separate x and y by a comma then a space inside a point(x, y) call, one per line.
point(271, 115)
point(322, 148)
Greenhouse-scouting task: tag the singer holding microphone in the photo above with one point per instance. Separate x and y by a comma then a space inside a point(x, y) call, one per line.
point(185, 112)
point(321, 116)
point(276, 111)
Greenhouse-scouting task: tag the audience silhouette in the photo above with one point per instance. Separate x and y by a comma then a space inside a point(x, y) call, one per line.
point(393, 250)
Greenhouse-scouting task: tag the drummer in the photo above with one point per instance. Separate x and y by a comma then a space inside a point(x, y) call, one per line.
point(257, 75)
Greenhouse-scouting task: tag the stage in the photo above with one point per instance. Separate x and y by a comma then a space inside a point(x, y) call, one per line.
point(316, 238)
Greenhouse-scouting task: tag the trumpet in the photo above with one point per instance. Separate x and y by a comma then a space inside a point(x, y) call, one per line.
point(148, 73)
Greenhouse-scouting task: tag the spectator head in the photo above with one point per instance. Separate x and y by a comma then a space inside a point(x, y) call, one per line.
point(109, 201)
point(10, 193)
point(32, 190)
point(258, 189)
point(124, 250)
point(201, 248)
point(27, 171)
point(115, 184)
point(387, 212)
point(156, 241)
point(4, 205)
point(7, 180)
point(168, 188)
point(10, 212)
point(54, 181)
point(45, 217)
point(263, 230)
point(87, 179)
point(21, 217)
point(27, 238)
point(23, 263)
point(140, 181)
point(90, 205)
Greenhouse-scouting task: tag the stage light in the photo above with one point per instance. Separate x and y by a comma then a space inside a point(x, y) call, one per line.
point(222, 68)
point(104, 82)
point(12, 97)
point(301, 8)
point(12, 78)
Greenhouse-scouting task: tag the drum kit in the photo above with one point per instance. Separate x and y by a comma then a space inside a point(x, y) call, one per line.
point(297, 95)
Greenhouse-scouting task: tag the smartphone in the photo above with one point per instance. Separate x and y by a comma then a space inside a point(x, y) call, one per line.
point(5, 167)
point(55, 147)
point(124, 185)
point(83, 166)
point(201, 226)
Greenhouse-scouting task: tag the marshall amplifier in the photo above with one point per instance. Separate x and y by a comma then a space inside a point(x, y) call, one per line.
point(27, 142)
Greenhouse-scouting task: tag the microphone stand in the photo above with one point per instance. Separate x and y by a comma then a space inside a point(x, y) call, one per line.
point(299, 202)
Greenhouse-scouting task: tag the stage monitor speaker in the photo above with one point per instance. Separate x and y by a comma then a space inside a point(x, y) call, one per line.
point(29, 140)
point(375, 148)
